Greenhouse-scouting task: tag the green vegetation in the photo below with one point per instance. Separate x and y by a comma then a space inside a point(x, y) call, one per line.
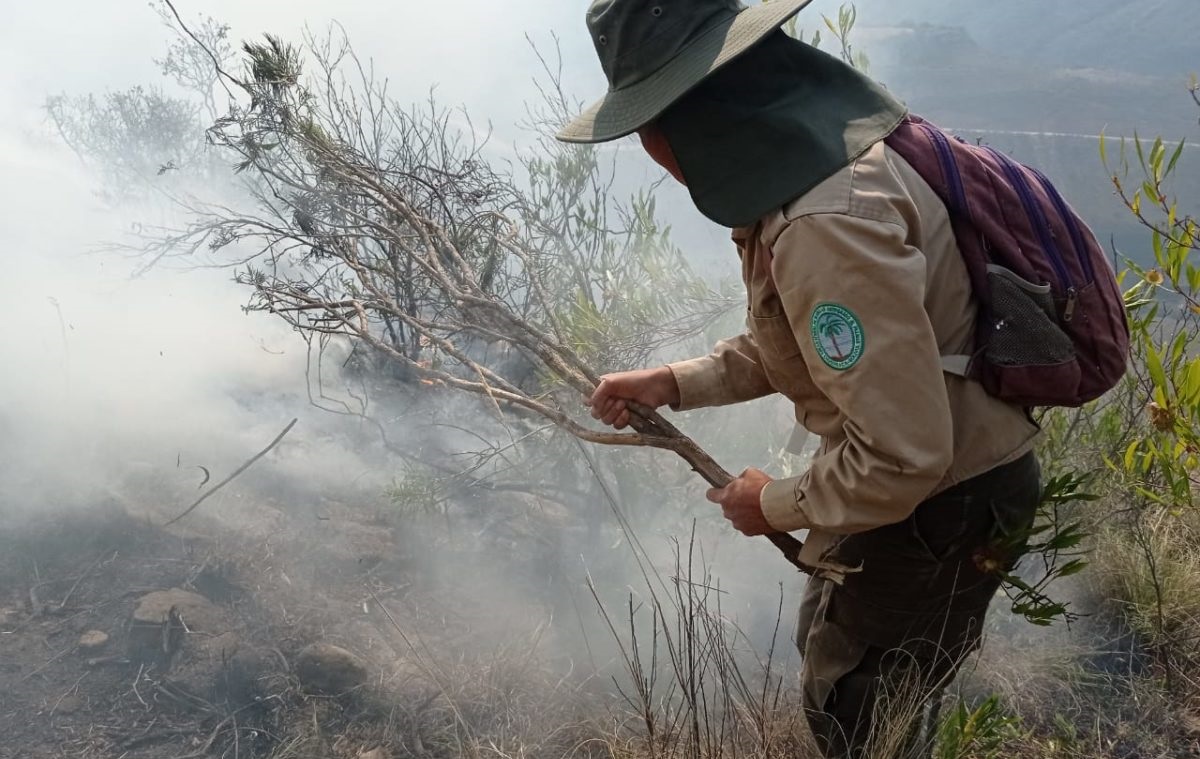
point(1136, 453)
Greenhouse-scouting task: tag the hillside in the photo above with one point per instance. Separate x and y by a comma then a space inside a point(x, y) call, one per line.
point(989, 71)
point(1144, 37)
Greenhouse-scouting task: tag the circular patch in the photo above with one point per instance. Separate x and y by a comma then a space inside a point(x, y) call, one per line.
point(838, 336)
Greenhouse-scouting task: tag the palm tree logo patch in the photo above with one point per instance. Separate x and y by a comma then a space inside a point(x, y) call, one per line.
point(838, 336)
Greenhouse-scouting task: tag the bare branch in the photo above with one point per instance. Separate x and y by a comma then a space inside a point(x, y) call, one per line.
point(390, 228)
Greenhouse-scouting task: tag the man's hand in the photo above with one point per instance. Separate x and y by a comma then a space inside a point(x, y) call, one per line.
point(741, 501)
point(649, 387)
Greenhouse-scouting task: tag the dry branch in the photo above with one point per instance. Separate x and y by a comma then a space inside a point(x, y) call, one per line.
point(236, 472)
point(391, 230)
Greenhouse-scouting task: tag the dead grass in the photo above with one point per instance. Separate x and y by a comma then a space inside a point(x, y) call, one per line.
point(685, 683)
point(1151, 572)
point(1121, 682)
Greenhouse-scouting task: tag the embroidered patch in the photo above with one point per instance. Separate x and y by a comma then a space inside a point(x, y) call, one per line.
point(838, 336)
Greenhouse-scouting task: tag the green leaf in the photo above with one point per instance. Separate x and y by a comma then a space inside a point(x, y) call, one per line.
point(1157, 152)
point(1151, 496)
point(1155, 367)
point(1067, 537)
point(1150, 191)
point(1176, 156)
point(1130, 454)
point(1073, 567)
point(1159, 395)
point(1177, 348)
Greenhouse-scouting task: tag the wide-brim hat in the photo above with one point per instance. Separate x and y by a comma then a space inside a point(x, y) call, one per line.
point(642, 82)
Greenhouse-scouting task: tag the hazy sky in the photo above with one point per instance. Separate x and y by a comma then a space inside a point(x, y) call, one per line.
point(475, 52)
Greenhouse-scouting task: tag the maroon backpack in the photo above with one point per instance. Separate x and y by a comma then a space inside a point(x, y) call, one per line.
point(1051, 329)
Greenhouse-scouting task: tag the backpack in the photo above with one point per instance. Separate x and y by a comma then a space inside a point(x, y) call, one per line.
point(1052, 327)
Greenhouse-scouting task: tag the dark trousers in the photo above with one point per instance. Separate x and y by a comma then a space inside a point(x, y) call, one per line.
point(878, 645)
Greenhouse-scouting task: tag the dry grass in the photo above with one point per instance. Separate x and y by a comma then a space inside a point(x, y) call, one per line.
point(1122, 682)
point(1151, 572)
point(692, 685)
point(494, 706)
point(685, 682)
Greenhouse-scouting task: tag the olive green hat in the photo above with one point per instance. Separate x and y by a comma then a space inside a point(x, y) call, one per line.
point(655, 51)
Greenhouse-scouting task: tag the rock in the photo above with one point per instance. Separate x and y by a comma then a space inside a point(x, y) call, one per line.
point(93, 640)
point(248, 677)
point(166, 622)
point(153, 608)
point(330, 669)
point(375, 753)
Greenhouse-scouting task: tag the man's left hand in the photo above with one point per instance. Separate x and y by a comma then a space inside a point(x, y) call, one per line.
point(741, 501)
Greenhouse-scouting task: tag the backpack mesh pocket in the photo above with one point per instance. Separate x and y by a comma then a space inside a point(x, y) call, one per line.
point(1024, 329)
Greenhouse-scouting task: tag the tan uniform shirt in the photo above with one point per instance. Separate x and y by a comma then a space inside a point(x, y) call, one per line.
point(855, 292)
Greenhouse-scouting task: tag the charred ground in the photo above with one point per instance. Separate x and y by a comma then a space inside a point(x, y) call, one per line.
point(277, 640)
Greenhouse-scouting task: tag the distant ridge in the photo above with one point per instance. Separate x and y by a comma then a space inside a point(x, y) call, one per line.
point(1148, 36)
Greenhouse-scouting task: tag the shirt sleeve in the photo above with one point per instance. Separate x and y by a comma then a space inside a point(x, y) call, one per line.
point(732, 373)
point(854, 295)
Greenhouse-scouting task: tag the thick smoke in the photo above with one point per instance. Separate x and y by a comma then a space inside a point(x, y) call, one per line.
point(104, 371)
point(129, 388)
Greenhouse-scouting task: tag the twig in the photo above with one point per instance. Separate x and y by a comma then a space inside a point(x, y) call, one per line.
point(48, 662)
point(62, 604)
point(239, 470)
point(138, 676)
point(148, 737)
point(35, 603)
point(97, 661)
point(212, 738)
point(215, 61)
point(68, 692)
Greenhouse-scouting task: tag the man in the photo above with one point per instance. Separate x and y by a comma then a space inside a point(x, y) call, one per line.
point(856, 291)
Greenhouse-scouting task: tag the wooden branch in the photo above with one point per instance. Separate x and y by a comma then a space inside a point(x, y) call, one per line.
point(239, 470)
point(417, 210)
point(647, 420)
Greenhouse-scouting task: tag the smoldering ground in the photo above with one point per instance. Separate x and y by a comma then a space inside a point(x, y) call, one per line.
point(125, 394)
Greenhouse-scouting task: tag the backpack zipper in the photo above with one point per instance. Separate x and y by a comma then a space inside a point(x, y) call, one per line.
point(1068, 219)
point(954, 179)
point(949, 167)
point(1042, 226)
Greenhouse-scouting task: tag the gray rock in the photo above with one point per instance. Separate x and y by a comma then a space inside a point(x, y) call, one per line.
point(330, 669)
point(166, 621)
point(93, 640)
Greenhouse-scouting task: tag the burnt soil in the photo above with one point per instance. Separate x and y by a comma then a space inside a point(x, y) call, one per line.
point(338, 575)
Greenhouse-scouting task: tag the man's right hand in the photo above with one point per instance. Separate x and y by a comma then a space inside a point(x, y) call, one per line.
point(649, 387)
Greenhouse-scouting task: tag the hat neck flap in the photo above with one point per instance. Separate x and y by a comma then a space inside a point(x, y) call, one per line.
point(771, 126)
